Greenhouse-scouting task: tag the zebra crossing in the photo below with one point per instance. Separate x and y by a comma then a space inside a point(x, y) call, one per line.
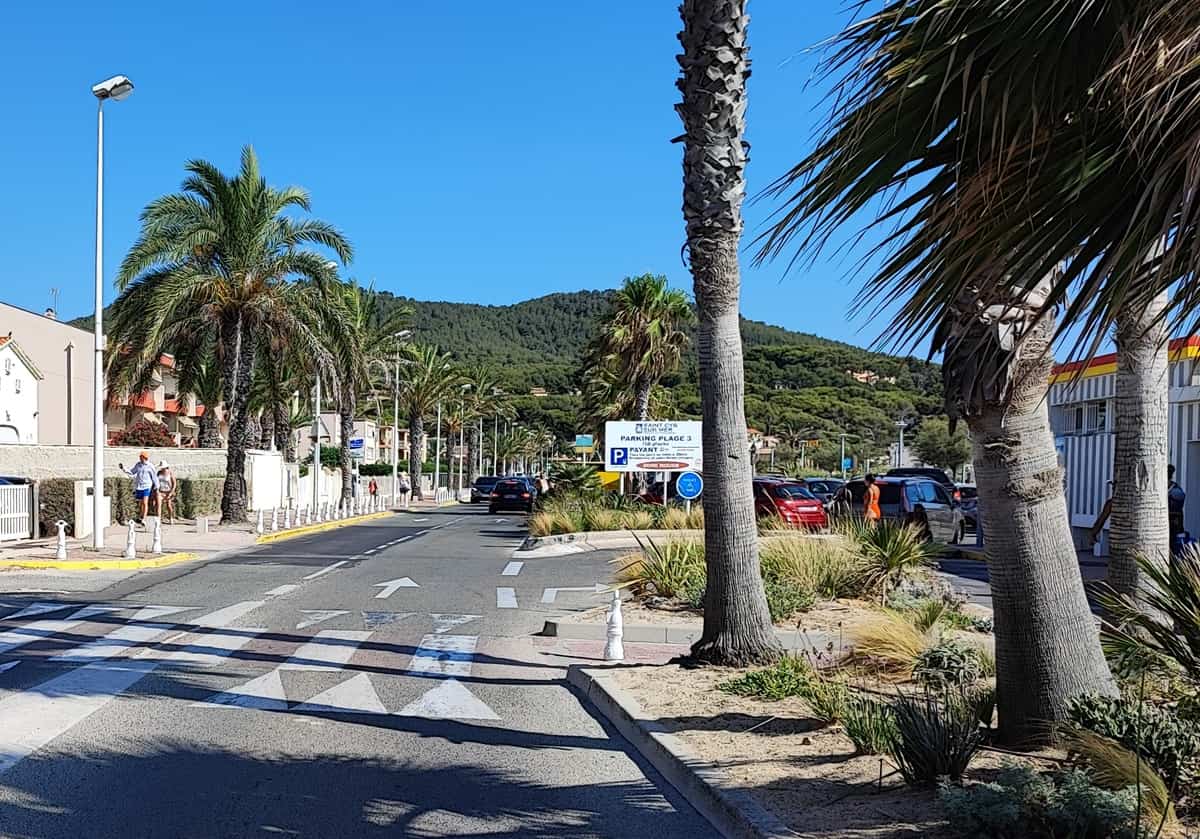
point(97, 652)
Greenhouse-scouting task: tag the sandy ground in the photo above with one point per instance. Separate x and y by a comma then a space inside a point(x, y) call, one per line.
point(806, 774)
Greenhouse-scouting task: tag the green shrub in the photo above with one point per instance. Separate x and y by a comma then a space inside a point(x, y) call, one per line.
point(199, 497)
point(824, 566)
point(890, 552)
point(375, 470)
point(144, 434)
point(934, 739)
point(870, 724)
point(1168, 743)
point(56, 500)
point(1022, 803)
point(948, 664)
point(668, 571)
point(785, 598)
point(787, 677)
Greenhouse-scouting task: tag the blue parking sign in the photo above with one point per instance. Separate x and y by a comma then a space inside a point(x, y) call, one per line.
point(618, 457)
point(689, 485)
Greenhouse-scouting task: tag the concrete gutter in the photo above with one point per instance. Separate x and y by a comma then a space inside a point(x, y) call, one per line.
point(732, 811)
point(281, 535)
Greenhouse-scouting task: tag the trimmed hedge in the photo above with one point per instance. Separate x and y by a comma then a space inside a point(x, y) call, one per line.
point(56, 500)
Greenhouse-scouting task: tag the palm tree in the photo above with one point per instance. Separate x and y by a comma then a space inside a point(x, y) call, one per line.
point(224, 252)
point(481, 402)
point(737, 624)
point(642, 337)
point(429, 379)
point(1035, 179)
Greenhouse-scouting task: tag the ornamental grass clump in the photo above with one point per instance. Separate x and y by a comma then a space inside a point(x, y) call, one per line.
point(670, 570)
point(935, 739)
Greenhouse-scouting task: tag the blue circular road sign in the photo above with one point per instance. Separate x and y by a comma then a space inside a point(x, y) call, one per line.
point(689, 485)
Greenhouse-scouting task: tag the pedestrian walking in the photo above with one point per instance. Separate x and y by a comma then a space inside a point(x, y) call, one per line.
point(404, 488)
point(166, 492)
point(373, 488)
point(871, 510)
point(145, 482)
point(1176, 499)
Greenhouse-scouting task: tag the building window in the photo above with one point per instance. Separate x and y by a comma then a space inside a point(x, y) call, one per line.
point(1077, 420)
point(1097, 417)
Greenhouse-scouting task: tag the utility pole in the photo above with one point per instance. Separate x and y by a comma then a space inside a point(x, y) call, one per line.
point(437, 460)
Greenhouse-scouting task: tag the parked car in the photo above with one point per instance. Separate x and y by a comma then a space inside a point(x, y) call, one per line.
point(824, 488)
point(790, 500)
point(917, 501)
point(481, 490)
point(511, 494)
point(969, 505)
point(929, 472)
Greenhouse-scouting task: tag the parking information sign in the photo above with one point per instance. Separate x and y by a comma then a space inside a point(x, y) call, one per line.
point(356, 447)
point(653, 446)
point(689, 485)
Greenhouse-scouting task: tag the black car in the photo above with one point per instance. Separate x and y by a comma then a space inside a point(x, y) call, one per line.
point(511, 494)
point(824, 488)
point(481, 490)
point(930, 473)
point(916, 501)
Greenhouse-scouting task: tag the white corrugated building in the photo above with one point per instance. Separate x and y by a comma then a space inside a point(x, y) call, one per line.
point(1081, 415)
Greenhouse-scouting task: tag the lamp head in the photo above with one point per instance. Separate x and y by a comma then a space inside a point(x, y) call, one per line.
point(117, 88)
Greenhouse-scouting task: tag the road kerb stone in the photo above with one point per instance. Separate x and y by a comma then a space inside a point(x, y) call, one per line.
point(283, 535)
point(730, 810)
point(160, 561)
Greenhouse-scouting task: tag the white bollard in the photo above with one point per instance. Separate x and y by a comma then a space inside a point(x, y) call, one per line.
point(60, 548)
point(202, 524)
point(287, 517)
point(130, 542)
point(274, 519)
point(613, 649)
point(156, 545)
point(258, 528)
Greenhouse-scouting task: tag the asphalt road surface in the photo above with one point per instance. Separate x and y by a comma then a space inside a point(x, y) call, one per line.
point(376, 680)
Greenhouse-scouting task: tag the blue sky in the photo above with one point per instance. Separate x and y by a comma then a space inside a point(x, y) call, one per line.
point(471, 151)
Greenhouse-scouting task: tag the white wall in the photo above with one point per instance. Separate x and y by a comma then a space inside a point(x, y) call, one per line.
point(18, 399)
point(41, 461)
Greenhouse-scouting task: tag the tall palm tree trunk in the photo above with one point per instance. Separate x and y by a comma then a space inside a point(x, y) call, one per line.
point(737, 625)
point(237, 363)
point(285, 441)
point(266, 425)
point(1047, 647)
point(209, 433)
point(473, 443)
point(346, 415)
point(1139, 524)
point(416, 443)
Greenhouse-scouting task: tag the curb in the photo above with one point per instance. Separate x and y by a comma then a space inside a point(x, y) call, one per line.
point(102, 564)
point(281, 535)
point(676, 634)
point(730, 810)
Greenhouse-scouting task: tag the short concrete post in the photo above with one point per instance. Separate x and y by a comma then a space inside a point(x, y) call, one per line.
point(613, 649)
point(60, 548)
point(258, 528)
point(274, 519)
point(287, 518)
point(156, 545)
point(202, 524)
point(130, 542)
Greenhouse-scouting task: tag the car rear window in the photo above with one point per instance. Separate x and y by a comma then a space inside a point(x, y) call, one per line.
point(512, 486)
point(791, 491)
point(483, 482)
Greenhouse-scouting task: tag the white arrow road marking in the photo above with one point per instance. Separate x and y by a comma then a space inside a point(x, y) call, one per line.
point(330, 649)
point(449, 701)
point(374, 620)
point(32, 718)
point(444, 623)
point(444, 655)
point(387, 589)
point(280, 591)
point(317, 615)
point(506, 598)
point(38, 630)
point(8, 665)
point(549, 594)
point(356, 695)
point(326, 570)
point(512, 569)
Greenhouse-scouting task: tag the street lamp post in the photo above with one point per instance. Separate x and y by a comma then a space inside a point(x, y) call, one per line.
point(437, 460)
point(115, 88)
point(398, 336)
point(462, 431)
point(316, 446)
point(900, 423)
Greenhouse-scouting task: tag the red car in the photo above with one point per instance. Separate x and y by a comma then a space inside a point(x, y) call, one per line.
point(791, 501)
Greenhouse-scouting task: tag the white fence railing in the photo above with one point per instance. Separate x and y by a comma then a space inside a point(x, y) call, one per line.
point(16, 512)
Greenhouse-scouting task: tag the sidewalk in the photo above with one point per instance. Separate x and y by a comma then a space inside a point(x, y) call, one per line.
point(180, 541)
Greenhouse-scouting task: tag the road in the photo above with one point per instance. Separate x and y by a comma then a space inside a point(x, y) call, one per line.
point(376, 680)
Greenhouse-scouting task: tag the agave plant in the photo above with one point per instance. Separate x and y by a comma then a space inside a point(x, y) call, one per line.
point(890, 552)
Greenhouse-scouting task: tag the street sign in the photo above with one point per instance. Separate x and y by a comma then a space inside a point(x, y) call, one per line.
point(847, 463)
point(585, 441)
point(689, 485)
point(671, 446)
point(356, 447)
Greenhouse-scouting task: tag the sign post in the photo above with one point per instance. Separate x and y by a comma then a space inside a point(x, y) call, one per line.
point(688, 486)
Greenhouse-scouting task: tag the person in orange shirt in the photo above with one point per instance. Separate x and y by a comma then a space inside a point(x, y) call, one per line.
point(871, 509)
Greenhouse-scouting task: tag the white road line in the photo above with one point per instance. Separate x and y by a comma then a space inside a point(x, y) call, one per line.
point(114, 643)
point(444, 655)
point(444, 623)
point(512, 569)
point(211, 647)
point(326, 569)
point(280, 591)
point(39, 608)
point(40, 630)
point(549, 594)
point(356, 696)
point(330, 649)
point(506, 598)
point(368, 553)
point(449, 701)
point(316, 616)
point(226, 616)
point(418, 521)
point(32, 718)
